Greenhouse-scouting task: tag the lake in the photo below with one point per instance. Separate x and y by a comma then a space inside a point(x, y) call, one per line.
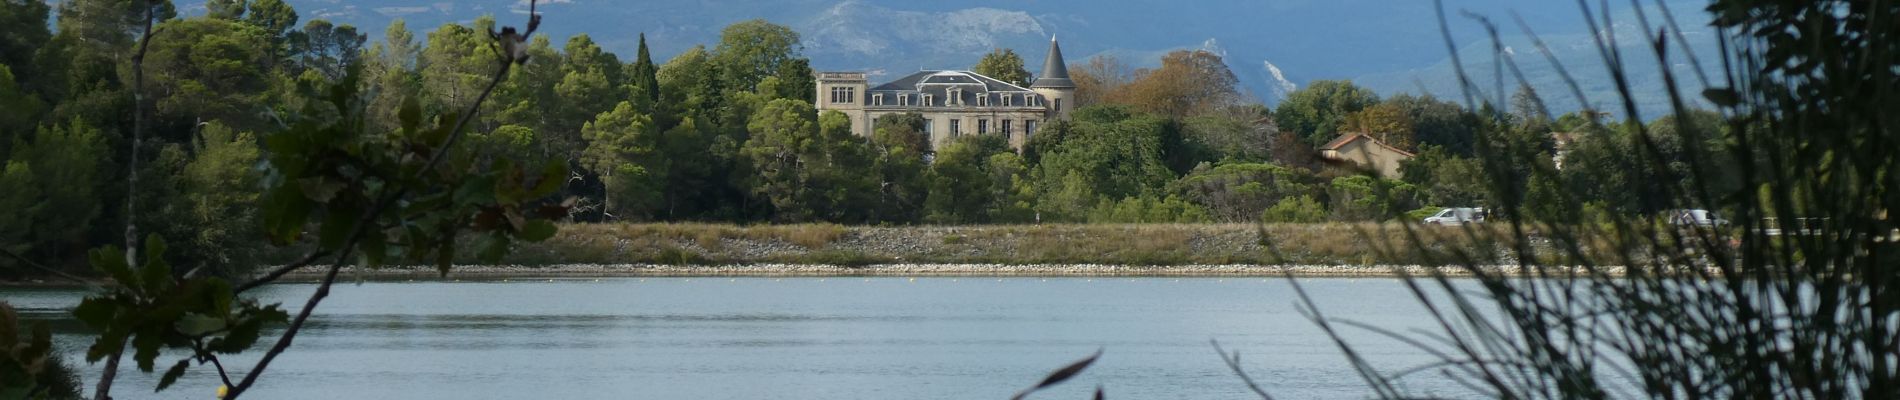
point(802, 338)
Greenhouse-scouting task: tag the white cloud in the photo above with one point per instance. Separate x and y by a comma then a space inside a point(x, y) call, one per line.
point(399, 11)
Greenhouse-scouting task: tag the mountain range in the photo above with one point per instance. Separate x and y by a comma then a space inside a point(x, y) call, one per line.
point(1390, 46)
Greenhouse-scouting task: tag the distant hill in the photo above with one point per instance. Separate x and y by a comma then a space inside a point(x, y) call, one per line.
point(1389, 45)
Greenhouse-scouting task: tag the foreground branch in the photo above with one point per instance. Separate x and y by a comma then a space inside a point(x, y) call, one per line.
point(104, 390)
point(356, 235)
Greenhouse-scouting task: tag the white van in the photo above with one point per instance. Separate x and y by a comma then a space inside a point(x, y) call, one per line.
point(1456, 216)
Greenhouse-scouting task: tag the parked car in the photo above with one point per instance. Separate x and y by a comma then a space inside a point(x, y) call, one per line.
point(1456, 216)
point(1693, 217)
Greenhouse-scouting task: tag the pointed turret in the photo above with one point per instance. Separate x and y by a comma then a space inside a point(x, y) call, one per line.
point(1058, 92)
point(1055, 72)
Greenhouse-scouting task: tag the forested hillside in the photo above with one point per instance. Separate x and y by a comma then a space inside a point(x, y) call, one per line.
point(722, 132)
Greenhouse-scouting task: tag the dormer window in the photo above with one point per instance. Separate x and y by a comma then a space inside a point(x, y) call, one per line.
point(1035, 101)
point(877, 99)
point(926, 102)
point(903, 99)
point(1007, 99)
point(983, 100)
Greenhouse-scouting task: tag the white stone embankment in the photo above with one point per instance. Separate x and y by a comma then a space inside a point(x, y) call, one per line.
point(641, 270)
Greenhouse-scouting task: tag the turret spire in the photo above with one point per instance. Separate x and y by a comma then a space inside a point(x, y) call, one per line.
point(1055, 72)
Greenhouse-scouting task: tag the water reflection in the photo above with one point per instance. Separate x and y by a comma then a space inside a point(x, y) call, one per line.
point(927, 338)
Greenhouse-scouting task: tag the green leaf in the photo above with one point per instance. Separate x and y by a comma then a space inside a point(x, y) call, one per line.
point(111, 260)
point(553, 175)
point(146, 345)
point(479, 189)
point(336, 228)
point(410, 114)
point(171, 375)
point(493, 248)
point(96, 312)
point(156, 276)
point(319, 189)
point(537, 230)
point(198, 324)
point(373, 250)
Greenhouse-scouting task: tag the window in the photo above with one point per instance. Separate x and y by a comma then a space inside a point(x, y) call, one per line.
point(844, 95)
point(1006, 127)
point(1058, 106)
point(955, 127)
point(983, 100)
point(1029, 128)
point(903, 99)
point(926, 102)
point(877, 99)
point(982, 125)
point(928, 124)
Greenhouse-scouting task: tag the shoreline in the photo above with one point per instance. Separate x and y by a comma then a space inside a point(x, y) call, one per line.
point(896, 270)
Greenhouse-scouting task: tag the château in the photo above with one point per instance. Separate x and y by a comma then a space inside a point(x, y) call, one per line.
point(954, 103)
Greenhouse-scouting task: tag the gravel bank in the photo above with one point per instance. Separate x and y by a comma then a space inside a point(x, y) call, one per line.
point(642, 270)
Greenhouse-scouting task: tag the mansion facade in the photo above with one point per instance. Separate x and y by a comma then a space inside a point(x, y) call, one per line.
point(954, 103)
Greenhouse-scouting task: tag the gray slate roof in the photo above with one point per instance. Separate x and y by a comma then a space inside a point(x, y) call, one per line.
point(1055, 72)
point(938, 83)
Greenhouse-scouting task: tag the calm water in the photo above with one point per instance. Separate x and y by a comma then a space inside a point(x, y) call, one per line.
point(803, 338)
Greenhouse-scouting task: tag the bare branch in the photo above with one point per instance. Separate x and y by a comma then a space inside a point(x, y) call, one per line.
point(507, 62)
point(1233, 362)
point(43, 268)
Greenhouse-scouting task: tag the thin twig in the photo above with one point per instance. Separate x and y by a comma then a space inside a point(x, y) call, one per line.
point(274, 274)
point(43, 268)
point(1234, 364)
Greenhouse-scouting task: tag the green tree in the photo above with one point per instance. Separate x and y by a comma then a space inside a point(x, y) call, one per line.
point(329, 49)
point(898, 146)
point(796, 80)
point(453, 65)
point(1295, 210)
point(212, 209)
point(1239, 133)
point(622, 147)
point(1445, 179)
point(590, 85)
point(523, 101)
point(54, 183)
point(18, 110)
point(750, 51)
point(1317, 112)
point(1004, 65)
point(390, 76)
point(1136, 210)
point(1367, 198)
point(962, 188)
point(210, 69)
point(1435, 122)
point(1239, 192)
point(275, 17)
point(1111, 153)
point(808, 168)
point(645, 79)
point(22, 33)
